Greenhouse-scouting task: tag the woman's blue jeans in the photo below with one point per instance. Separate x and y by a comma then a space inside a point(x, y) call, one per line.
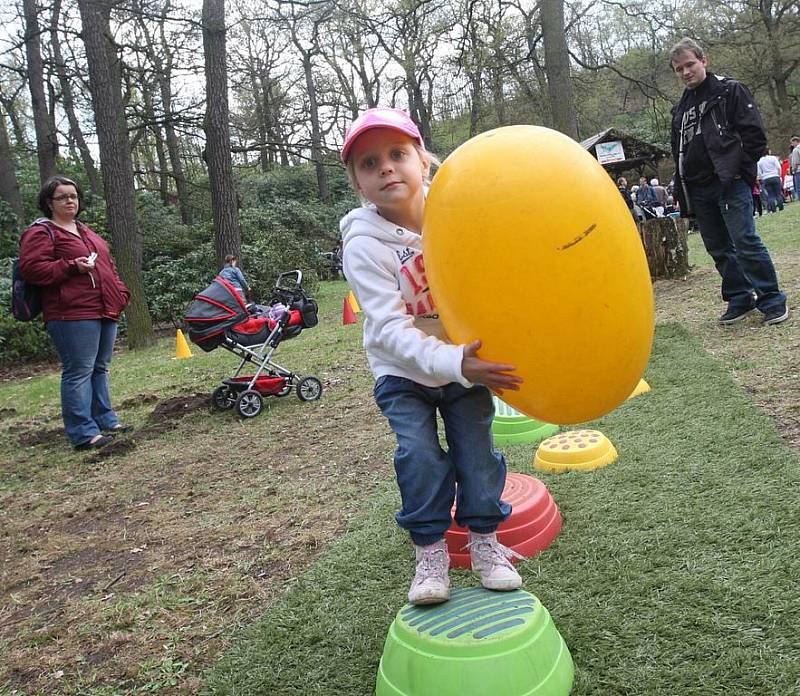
point(427, 474)
point(774, 188)
point(729, 234)
point(85, 347)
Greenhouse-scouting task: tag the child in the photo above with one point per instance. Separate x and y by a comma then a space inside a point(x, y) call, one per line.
point(416, 369)
point(233, 274)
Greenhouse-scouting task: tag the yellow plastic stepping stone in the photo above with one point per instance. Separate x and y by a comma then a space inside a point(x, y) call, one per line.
point(575, 450)
point(641, 388)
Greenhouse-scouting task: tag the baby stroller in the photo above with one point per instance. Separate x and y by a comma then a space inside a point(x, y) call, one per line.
point(218, 316)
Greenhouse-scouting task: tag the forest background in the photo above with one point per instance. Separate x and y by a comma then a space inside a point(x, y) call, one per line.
point(202, 129)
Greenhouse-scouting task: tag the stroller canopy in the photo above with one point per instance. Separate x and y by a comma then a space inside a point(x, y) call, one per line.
point(214, 310)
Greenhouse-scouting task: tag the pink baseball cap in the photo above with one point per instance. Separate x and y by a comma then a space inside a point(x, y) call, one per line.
point(380, 117)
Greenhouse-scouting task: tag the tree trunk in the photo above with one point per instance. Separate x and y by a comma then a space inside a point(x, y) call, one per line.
point(116, 164)
point(46, 140)
point(666, 247)
point(68, 102)
point(316, 130)
point(173, 144)
point(556, 65)
point(9, 185)
point(227, 236)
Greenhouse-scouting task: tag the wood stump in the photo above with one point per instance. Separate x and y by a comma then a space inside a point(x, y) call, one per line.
point(666, 246)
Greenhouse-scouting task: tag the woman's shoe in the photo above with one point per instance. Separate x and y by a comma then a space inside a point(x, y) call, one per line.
point(95, 443)
point(119, 428)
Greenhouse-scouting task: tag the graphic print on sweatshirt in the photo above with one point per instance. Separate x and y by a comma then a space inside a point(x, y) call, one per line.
point(412, 268)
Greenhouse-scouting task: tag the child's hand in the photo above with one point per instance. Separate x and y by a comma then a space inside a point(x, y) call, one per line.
point(490, 374)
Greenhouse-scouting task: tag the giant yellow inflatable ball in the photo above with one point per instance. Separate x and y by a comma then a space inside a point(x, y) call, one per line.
point(530, 248)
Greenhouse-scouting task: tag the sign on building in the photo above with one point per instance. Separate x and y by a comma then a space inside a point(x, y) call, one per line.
point(610, 152)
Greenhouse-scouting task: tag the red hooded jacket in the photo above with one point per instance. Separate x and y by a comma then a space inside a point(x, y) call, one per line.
point(66, 292)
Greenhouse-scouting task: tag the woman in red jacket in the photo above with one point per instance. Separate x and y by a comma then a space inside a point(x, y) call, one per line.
point(82, 299)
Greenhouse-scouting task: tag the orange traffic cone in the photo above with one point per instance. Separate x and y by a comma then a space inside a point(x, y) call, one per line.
point(181, 347)
point(348, 315)
point(351, 298)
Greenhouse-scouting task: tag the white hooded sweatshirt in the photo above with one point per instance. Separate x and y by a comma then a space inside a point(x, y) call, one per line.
point(402, 332)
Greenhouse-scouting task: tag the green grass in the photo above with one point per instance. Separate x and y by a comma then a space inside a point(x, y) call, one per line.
point(675, 572)
point(778, 230)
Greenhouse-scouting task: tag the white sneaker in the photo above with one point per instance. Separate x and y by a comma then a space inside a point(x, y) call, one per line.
point(431, 584)
point(490, 560)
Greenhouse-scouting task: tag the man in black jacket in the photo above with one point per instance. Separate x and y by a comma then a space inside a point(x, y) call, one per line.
point(717, 138)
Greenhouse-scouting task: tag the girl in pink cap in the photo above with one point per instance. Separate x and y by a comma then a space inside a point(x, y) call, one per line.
point(417, 370)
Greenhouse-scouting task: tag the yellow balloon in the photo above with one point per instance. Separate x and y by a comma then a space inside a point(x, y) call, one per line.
point(530, 248)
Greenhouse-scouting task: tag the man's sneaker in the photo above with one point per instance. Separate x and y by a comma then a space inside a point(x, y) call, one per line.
point(431, 584)
point(734, 314)
point(777, 315)
point(490, 560)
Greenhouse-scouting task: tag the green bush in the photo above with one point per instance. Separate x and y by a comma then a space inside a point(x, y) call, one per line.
point(171, 283)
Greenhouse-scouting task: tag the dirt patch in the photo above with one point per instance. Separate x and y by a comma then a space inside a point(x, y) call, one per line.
point(32, 438)
point(164, 417)
point(7, 413)
point(132, 573)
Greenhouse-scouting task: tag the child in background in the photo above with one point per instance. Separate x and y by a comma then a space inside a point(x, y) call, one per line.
point(233, 274)
point(417, 370)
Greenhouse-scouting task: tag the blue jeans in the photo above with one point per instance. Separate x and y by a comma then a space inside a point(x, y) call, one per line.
point(774, 188)
point(426, 474)
point(796, 179)
point(85, 347)
point(729, 234)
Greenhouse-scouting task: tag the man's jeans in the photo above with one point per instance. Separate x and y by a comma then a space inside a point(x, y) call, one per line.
point(426, 474)
point(774, 188)
point(85, 348)
point(796, 179)
point(729, 234)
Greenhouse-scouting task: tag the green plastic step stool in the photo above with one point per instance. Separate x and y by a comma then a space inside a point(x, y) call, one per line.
point(480, 643)
point(511, 427)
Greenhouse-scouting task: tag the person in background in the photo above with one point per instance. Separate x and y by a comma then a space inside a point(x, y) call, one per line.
point(233, 274)
point(794, 164)
point(622, 186)
point(645, 196)
point(660, 192)
point(82, 299)
point(714, 182)
point(757, 200)
point(769, 175)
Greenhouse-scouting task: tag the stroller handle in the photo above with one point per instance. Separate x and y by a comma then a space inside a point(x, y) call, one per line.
point(297, 274)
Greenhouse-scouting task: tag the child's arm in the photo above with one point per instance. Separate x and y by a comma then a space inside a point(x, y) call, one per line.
point(391, 334)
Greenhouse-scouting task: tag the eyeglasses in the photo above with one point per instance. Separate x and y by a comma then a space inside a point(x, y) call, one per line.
point(66, 197)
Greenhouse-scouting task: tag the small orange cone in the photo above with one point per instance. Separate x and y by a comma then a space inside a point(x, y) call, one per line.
point(351, 298)
point(181, 347)
point(348, 315)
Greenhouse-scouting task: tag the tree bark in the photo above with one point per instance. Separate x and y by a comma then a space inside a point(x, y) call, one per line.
point(46, 140)
point(227, 236)
point(666, 247)
point(556, 65)
point(115, 157)
point(9, 185)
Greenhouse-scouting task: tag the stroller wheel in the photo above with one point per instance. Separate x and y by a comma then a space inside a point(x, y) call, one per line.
point(223, 398)
point(249, 403)
point(309, 389)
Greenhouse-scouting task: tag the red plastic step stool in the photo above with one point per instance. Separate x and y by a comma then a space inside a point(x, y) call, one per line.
point(533, 524)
